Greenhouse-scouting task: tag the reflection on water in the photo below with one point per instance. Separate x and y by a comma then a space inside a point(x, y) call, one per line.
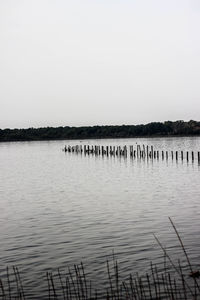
point(58, 209)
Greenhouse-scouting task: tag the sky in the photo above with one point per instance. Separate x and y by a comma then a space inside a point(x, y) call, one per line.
point(98, 62)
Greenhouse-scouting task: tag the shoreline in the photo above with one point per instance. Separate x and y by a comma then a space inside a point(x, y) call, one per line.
point(100, 138)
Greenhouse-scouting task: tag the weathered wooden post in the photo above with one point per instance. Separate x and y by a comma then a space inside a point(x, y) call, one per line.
point(143, 150)
point(107, 150)
point(162, 155)
point(172, 153)
point(151, 151)
point(181, 155)
point(187, 156)
point(176, 155)
point(166, 155)
point(125, 150)
point(121, 151)
point(116, 150)
point(131, 151)
point(110, 151)
point(102, 150)
point(192, 156)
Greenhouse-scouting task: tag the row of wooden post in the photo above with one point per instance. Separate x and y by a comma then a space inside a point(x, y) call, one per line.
point(140, 152)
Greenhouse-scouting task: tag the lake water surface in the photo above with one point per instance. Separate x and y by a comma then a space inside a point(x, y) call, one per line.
point(58, 209)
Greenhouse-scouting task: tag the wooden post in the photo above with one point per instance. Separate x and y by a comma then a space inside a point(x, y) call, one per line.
point(110, 150)
point(176, 155)
point(143, 151)
point(102, 150)
point(119, 150)
point(107, 150)
point(131, 151)
point(172, 153)
point(198, 156)
point(181, 155)
point(166, 155)
point(162, 155)
point(157, 154)
point(187, 156)
point(151, 151)
point(192, 156)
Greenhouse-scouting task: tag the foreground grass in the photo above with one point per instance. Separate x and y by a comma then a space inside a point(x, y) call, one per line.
point(176, 282)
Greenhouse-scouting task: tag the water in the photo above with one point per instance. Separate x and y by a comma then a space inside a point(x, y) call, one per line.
point(58, 209)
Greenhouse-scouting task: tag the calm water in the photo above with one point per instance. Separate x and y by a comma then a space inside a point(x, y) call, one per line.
point(58, 209)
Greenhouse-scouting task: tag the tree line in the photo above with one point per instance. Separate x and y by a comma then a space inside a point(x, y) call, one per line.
point(168, 128)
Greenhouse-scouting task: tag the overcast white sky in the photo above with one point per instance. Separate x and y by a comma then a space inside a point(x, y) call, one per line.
point(89, 62)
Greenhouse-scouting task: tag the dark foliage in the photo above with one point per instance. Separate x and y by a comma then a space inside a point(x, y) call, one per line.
point(123, 131)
